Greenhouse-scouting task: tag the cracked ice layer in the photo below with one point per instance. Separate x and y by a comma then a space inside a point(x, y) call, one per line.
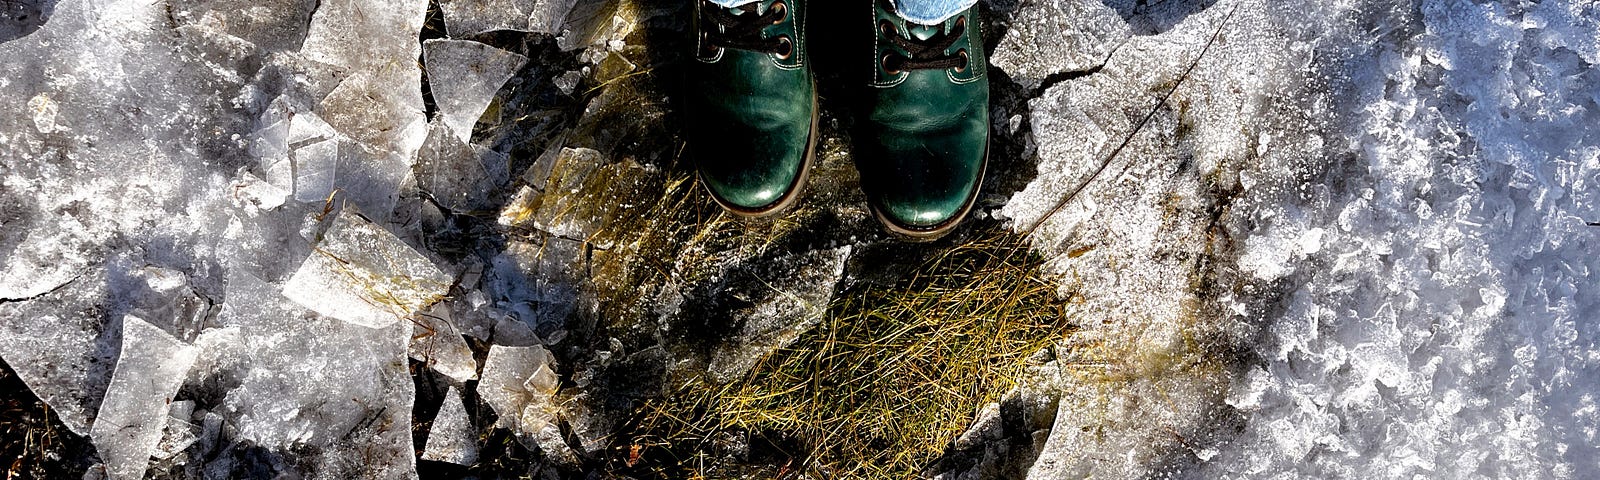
point(1136, 245)
point(452, 438)
point(1051, 37)
point(464, 76)
point(130, 422)
point(364, 275)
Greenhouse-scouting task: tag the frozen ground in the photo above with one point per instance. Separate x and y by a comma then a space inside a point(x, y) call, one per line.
point(1348, 239)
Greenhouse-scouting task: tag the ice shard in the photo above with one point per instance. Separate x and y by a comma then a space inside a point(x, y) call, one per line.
point(315, 170)
point(452, 438)
point(517, 384)
point(566, 193)
point(520, 383)
point(464, 76)
point(362, 274)
point(179, 433)
point(133, 416)
point(436, 342)
point(459, 176)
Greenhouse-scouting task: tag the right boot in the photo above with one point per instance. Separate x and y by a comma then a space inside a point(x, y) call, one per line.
point(752, 105)
point(923, 144)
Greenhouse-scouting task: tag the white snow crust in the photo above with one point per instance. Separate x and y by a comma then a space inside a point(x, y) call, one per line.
point(1440, 316)
point(1403, 265)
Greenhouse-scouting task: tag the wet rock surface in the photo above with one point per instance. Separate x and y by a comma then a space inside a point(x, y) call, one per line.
point(266, 239)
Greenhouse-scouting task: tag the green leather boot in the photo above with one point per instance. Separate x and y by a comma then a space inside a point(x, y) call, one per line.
point(925, 139)
point(752, 105)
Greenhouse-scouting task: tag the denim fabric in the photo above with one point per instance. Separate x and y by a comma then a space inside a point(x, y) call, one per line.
point(926, 12)
point(931, 12)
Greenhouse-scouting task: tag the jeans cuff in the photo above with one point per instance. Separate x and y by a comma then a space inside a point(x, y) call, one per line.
point(732, 3)
point(931, 12)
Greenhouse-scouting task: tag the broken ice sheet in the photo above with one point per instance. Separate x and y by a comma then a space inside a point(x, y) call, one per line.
point(332, 396)
point(451, 438)
point(464, 76)
point(59, 347)
point(579, 194)
point(362, 274)
point(133, 416)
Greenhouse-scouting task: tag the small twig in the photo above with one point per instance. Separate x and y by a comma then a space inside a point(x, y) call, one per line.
point(1594, 224)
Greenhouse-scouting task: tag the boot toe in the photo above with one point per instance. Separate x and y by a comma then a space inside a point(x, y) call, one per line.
point(752, 173)
point(928, 186)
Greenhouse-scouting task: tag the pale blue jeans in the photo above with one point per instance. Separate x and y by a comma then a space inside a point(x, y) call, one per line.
point(926, 12)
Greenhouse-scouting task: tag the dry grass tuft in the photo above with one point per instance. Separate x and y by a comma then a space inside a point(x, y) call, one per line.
point(880, 388)
point(33, 442)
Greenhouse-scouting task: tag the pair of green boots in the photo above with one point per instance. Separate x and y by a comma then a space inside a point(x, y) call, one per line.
point(923, 144)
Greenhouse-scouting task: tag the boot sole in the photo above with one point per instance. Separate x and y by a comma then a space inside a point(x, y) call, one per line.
point(796, 190)
point(927, 234)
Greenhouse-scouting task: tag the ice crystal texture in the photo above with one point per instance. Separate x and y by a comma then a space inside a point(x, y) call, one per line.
point(468, 17)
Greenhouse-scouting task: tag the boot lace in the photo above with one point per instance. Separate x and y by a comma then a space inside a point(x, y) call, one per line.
point(724, 29)
point(925, 54)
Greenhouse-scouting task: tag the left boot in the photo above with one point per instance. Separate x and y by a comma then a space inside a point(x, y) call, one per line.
point(925, 141)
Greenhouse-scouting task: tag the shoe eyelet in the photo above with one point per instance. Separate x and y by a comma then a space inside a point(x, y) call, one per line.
point(964, 60)
point(706, 47)
point(780, 6)
point(785, 47)
point(884, 62)
point(887, 28)
point(961, 22)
